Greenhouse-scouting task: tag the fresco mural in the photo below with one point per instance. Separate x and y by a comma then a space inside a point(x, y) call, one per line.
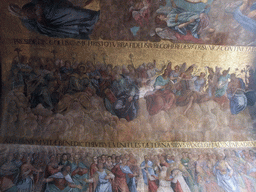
point(45, 168)
point(131, 71)
point(71, 98)
point(168, 79)
point(189, 21)
point(57, 18)
point(192, 21)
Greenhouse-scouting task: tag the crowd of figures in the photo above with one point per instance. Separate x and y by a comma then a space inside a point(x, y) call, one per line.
point(52, 82)
point(172, 170)
point(155, 20)
point(137, 16)
point(176, 20)
point(193, 21)
point(229, 171)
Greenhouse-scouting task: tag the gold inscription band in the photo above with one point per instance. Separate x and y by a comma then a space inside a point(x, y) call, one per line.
point(126, 44)
point(221, 144)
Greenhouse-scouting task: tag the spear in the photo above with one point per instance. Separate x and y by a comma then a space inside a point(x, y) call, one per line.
point(54, 54)
point(73, 58)
point(131, 58)
point(94, 58)
point(18, 50)
point(104, 59)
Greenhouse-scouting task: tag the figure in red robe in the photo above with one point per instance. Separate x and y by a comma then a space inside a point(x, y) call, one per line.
point(93, 169)
point(162, 98)
point(120, 182)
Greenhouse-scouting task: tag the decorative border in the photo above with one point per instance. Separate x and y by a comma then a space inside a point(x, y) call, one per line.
point(107, 144)
point(163, 44)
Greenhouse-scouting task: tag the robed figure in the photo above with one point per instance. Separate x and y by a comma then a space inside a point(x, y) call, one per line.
point(124, 178)
point(56, 18)
point(148, 174)
point(162, 98)
point(122, 98)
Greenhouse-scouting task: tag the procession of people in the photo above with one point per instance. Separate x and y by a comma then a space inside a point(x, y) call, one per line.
point(175, 170)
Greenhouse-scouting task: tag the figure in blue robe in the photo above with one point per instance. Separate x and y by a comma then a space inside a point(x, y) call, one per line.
point(238, 102)
point(147, 166)
point(222, 84)
point(103, 184)
point(79, 174)
point(225, 178)
point(17, 80)
point(103, 179)
point(251, 97)
point(11, 172)
point(181, 12)
point(131, 182)
point(245, 21)
point(51, 186)
point(38, 87)
point(173, 21)
point(79, 81)
point(95, 78)
point(19, 73)
point(251, 93)
point(25, 184)
point(57, 18)
point(122, 98)
point(160, 82)
point(237, 98)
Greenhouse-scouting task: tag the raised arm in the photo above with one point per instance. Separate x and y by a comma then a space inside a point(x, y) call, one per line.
point(71, 185)
point(230, 169)
point(88, 2)
point(173, 4)
point(48, 180)
point(197, 1)
point(109, 175)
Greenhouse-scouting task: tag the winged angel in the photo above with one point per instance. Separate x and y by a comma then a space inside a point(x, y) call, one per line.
point(57, 18)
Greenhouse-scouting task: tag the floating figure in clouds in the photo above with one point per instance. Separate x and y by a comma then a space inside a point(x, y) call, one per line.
point(122, 98)
point(220, 95)
point(56, 18)
point(140, 12)
point(200, 82)
point(251, 89)
point(245, 14)
point(188, 95)
point(162, 98)
point(212, 80)
point(222, 83)
point(183, 20)
point(235, 93)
